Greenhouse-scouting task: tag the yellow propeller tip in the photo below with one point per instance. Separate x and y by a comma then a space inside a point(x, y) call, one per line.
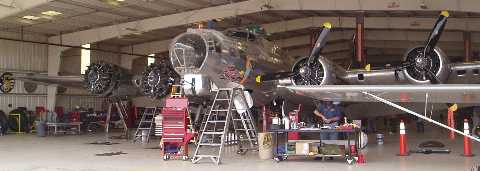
point(454, 107)
point(445, 13)
point(258, 79)
point(368, 67)
point(327, 25)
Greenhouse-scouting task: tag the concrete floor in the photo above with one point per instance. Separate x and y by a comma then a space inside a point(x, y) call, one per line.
point(73, 153)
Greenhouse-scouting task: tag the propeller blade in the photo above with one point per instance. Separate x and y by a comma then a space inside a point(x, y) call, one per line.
point(436, 32)
point(401, 67)
point(273, 76)
point(432, 77)
point(320, 43)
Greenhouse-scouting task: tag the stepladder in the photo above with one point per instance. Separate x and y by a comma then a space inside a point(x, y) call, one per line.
point(227, 107)
point(116, 102)
point(243, 124)
point(145, 126)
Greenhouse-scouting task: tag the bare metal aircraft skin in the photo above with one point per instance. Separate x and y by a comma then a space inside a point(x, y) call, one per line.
point(425, 75)
point(204, 56)
point(226, 59)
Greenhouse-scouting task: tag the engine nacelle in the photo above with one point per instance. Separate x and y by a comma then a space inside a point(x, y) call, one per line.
point(322, 74)
point(436, 62)
point(157, 79)
point(103, 78)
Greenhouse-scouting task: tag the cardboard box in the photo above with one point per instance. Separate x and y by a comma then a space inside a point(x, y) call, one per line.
point(314, 148)
point(302, 148)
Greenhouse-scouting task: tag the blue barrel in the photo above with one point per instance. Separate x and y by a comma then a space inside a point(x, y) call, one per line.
point(40, 127)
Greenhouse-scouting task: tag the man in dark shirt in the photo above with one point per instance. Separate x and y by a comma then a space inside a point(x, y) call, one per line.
point(329, 114)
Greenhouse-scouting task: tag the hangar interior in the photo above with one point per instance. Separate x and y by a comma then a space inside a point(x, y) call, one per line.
point(76, 72)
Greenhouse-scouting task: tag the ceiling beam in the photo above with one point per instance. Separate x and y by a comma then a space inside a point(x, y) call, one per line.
point(407, 23)
point(12, 7)
point(178, 19)
point(408, 37)
point(170, 5)
point(253, 6)
point(200, 2)
point(378, 28)
point(94, 8)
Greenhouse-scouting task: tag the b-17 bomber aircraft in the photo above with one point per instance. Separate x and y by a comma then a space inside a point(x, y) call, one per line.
point(426, 75)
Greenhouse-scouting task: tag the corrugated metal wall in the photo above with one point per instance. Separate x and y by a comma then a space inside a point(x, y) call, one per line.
point(28, 101)
point(70, 60)
point(112, 58)
point(20, 56)
point(23, 56)
point(70, 101)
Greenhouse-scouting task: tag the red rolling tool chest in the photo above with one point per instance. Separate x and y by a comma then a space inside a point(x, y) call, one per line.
point(176, 135)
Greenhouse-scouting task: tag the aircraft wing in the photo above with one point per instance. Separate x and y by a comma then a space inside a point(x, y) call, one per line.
point(440, 93)
point(67, 81)
point(385, 76)
point(464, 73)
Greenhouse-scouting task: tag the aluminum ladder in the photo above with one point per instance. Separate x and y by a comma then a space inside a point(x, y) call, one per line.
point(216, 126)
point(245, 129)
point(146, 123)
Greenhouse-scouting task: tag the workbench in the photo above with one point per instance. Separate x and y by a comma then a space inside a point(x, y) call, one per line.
point(62, 127)
point(349, 157)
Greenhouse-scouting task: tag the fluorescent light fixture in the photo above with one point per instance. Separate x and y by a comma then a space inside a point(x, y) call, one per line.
point(84, 58)
point(151, 59)
point(51, 13)
point(120, 0)
point(31, 17)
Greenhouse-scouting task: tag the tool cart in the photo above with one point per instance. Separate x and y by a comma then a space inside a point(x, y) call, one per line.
point(350, 152)
point(176, 134)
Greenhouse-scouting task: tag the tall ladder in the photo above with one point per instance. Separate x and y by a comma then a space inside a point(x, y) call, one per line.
point(244, 128)
point(146, 123)
point(217, 124)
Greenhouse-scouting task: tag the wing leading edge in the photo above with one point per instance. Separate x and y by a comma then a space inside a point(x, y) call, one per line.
point(67, 81)
point(441, 93)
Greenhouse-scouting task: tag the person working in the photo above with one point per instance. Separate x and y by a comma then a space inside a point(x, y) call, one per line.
point(329, 114)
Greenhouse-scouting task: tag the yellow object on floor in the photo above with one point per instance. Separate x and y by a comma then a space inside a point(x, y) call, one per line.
point(18, 117)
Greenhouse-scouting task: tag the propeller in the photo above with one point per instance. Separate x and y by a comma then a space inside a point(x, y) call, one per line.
point(312, 63)
point(319, 43)
point(436, 33)
point(420, 60)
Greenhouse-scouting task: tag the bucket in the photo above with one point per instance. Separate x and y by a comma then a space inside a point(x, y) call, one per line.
point(144, 136)
point(40, 127)
point(380, 139)
point(265, 146)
